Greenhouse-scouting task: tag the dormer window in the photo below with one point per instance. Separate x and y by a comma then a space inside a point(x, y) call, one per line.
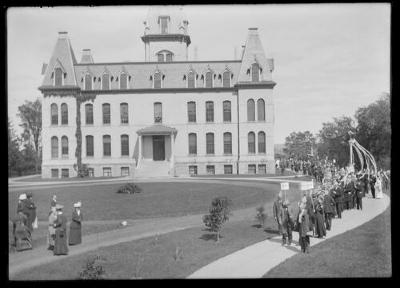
point(191, 80)
point(88, 82)
point(255, 72)
point(226, 79)
point(209, 80)
point(123, 83)
point(164, 21)
point(105, 81)
point(157, 80)
point(160, 57)
point(58, 77)
point(165, 56)
point(168, 57)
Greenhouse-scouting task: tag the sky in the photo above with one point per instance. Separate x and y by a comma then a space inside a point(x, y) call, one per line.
point(330, 59)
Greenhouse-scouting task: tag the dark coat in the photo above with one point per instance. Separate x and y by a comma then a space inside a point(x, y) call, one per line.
point(303, 221)
point(276, 208)
point(61, 247)
point(75, 229)
point(329, 205)
point(30, 212)
point(319, 220)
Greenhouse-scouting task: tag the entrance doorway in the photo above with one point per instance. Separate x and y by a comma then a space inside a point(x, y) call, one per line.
point(158, 148)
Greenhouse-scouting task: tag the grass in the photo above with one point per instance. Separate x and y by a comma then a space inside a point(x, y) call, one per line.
point(362, 252)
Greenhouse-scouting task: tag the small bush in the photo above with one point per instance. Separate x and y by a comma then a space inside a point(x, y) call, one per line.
point(219, 214)
point(92, 270)
point(261, 215)
point(129, 188)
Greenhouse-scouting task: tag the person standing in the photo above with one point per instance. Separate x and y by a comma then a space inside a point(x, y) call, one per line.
point(304, 228)
point(30, 211)
point(329, 210)
point(75, 228)
point(51, 235)
point(310, 212)
point(319, 217)
point(359, 193)
point(21, 203)
point(60, 243)
point(276, 210)
point(338, 197)
point(378, 187)
point(287, 223)
point(53, 201)
point(372, 181)
point(21, 233)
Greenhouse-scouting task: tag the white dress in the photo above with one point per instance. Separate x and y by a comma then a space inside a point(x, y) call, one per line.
point(378, 188)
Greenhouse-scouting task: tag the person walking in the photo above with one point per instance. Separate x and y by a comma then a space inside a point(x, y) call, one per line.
point(51, 235)
point(329, 205)
point(304, 228)
point(60, 244)
point(75, 228)
point(287, 223)
point(276, 210)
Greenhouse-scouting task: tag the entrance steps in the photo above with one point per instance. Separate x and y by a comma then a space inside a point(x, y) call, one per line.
point(153, 169)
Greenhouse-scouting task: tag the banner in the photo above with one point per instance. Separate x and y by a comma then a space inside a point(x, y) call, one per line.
point(285, 186)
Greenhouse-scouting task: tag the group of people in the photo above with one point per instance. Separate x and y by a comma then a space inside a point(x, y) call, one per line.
point(319, 206)
point(57, 236)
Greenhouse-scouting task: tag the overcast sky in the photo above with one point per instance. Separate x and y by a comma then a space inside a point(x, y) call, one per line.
point(330, 59)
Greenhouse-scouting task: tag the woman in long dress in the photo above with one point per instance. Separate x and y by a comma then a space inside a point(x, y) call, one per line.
point(319, 218)
point(378, 187)
point(51, 235)
point(75, 228)
point(304, 228)
point(60, 245)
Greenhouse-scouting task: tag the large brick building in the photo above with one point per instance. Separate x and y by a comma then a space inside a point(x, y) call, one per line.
point(166, 116)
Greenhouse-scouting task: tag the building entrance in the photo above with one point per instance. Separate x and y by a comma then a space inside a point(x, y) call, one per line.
point(158, 148)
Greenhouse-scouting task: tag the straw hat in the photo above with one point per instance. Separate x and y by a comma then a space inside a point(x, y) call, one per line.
point(22, 197)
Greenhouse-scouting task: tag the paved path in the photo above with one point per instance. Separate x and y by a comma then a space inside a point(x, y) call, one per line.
point(256, 260)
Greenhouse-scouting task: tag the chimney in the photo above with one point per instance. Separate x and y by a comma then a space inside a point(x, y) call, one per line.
point(86, 57)
point(62, 35)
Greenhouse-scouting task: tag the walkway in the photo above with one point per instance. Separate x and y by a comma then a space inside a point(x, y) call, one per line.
point(256, 260)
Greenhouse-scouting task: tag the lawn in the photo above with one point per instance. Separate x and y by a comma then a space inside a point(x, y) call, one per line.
point(362, 252)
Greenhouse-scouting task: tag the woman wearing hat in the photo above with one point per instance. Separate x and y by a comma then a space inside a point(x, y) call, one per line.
point(75, 228)
point(60, 244)
point(287, 223)
point(51, 236)
point(319, 217)
point(304, 228)
point(21, 203)
point(31, 211)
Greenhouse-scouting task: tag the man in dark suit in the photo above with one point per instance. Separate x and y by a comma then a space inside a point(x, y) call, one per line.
point(276, 210)
point(338, 197)
point(359, 194)
point(372, 181)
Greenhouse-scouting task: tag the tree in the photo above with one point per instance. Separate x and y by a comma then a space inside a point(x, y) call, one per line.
point(374, 129)
point(333, 139)
point(14, 155)
point(219, 214)
point(299, 144)
point(30, 114)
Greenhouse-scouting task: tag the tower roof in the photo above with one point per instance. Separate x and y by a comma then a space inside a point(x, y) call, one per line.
point(178, 23)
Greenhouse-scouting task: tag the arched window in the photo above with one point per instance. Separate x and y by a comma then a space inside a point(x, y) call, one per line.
point(54, 114)
point(124, 113)
point(58, 77)
point(168, 57)
point(260, 110)
point(157, 80)
point(209, 111)
point(54, 147)
point(227, 111)
point(157, 112)
point(160, 57)
point(210, 143)
point(106, 145)
point(64, 114)
point(123, 81)
point(255, 72)
point(252, 142)
point(89, 114)
point(64, 146)
point(124, 145)
point(193, 143)
point(226, 79)
point(106, 113)
point(89, 145)
point(209, 80)
point(192, 111)
point(261, 142)
point(227, 143)
point(251, 110)
point(105, 81)
point(88, 82)
point(191, 80)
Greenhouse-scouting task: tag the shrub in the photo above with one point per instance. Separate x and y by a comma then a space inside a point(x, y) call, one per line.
point(129, 188)
point(83, 171)
point(92, 270)
point(219, 214)
point(261, 215)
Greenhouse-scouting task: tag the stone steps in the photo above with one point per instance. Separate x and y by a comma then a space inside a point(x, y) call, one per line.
point(153, 169)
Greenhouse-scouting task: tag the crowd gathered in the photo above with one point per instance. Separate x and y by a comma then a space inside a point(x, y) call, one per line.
point(336, 190)
point(57, 239)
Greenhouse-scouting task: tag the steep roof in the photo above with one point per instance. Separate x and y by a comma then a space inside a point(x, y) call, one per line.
point(177, 19)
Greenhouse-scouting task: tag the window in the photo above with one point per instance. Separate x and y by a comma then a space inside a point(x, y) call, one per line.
point(123, 81)
point(193, 143)
point(89, 114)
point(157, 112)
point(157, 80)
point(64, 173)
point(89, 146)
point(227, 111)
point(252, 169)
point(124, 145)
point(191, 80)
point(58, 78)
point(164, 25)
point(227, 143)
point(226, 79)
point(105, 81)
point(124, 113)
point(91, 172)
point(106, 145)
point(64, 146)
point(88, 82)
point(54, 147)
point(210, 143)
point(106, 113)
point(261, 142)
point(209, 83)
point(168, 57)
point(54, 173)
point(252, 143)
point(210, 169)
point(64, 114)
point(54, 114)
point(251, 110)
point(255, 72)
point(260, 110)
point(228, 169)
point(192, 170)
point(160, 57)
point(262, 169)
point(124, 171)
point(209, 111)
point(107, 171)
point(192, 112)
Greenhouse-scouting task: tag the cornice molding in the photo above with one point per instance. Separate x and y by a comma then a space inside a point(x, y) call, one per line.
point(256, 85)
point(166, 37)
